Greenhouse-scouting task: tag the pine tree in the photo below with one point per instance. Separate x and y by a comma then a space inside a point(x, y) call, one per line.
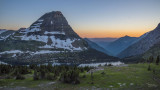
point(35, 76)
point(92, 77)
point(157, 61)
point(150, 59)
point(49, 42)
point(42, 73)
point(19, 77)
point(149, 68)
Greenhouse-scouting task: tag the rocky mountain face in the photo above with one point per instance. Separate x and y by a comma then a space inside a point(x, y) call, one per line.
point(49, 39)
point(5, 33)
point(141, 46)
point(54, 31)
point(153, 51)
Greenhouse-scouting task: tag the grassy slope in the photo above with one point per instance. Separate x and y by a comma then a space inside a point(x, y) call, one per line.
point(134, 76)
point(153, 51)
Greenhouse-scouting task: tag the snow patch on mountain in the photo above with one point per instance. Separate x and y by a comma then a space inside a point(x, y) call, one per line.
point(14, 55)
point(65, 44)
point(33, 28)
point(55, 32)
point(14, 52)
point(2, 31)
point(4, 34)
point(46, 51)
point(11, 51)
point(35, 37)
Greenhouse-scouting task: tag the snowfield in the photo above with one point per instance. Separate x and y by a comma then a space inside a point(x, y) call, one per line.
point(56, 43)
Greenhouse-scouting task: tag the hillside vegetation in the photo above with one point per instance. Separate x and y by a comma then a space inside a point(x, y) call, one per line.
point(143, 76)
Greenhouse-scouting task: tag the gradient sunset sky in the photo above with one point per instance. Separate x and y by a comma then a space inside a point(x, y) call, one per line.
point(89, 18)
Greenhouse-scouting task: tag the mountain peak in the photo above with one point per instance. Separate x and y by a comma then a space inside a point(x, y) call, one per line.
point(52, 14)
point(52, 23)
point(158, 25)
point(126, 36)
point(54, 31)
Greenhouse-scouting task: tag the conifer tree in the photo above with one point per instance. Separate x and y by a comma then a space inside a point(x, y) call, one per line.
point(35, 76)
point(150, 59)
point(149, 68)
point(157, 61)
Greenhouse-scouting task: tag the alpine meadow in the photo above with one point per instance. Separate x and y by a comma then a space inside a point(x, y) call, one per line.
point(79, 45)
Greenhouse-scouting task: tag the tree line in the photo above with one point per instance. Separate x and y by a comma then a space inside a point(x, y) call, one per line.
point(65, 74)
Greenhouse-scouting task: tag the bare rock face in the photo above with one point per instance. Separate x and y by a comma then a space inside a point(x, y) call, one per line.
point(142, 45)
point(53, 29)
point(4, 34)
point(54, 22)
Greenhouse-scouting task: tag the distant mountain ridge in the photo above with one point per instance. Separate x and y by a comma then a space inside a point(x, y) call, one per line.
point(96, 46)
point(120, 44)
point(142, 45)
point(103, 39)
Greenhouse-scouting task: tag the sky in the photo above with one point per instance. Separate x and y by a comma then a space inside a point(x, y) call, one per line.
point(88, 18)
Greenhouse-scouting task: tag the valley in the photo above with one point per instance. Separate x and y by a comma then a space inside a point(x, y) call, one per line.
point(79, 45)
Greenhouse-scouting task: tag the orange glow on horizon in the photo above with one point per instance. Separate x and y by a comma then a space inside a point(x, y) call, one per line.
point(112, 34)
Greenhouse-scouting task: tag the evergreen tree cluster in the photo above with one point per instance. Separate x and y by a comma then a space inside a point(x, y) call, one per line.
point(14, 70)
point(70, 76)
point(152, 59)
point(65, 74)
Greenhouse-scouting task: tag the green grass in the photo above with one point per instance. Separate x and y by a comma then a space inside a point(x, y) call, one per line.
point(28, 82)
point(132, 77)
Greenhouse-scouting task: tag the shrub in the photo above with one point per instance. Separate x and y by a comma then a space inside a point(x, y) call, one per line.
point(50, 77)
point(102, 73)
point(84, 76)
point(92, 82)
point(110, 65)
point(20, 77)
